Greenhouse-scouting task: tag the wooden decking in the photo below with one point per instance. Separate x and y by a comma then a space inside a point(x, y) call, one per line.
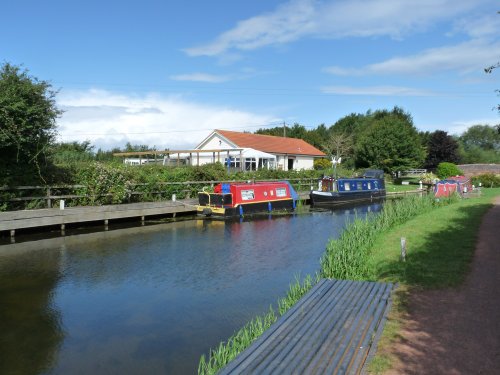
point(15, 220)
point(329, 331)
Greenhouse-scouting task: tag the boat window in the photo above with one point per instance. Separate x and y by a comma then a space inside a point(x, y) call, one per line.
point(369, 185)
point(359, 185)
point(280, 192)
point(247, 195)
point(347, 186)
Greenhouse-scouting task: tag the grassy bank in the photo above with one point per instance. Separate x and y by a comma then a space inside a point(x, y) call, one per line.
point(440, 247)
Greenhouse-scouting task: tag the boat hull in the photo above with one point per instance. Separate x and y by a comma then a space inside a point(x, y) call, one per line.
point(246, 209)
point(327, 198)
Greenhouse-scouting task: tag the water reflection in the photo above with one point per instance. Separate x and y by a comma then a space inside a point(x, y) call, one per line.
point(30, 326)
point(149, 299)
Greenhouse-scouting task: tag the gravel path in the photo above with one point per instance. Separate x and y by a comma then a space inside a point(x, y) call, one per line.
point(457, 331)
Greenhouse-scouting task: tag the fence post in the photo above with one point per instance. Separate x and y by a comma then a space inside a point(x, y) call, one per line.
point(403, 249)
point(49, 202)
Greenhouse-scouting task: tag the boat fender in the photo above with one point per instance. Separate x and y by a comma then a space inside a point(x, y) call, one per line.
point(241, 210)
point(294, 204)
point(269, 206)
point(207, 212)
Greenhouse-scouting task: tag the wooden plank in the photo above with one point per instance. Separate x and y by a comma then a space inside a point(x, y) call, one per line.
point(329, 331)
point(46, 217)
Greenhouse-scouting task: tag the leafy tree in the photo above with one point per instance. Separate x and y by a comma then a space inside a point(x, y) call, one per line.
point(390, 142)
point(483, 136)
point(68, 152)
point(28, 116)
point(441, 147)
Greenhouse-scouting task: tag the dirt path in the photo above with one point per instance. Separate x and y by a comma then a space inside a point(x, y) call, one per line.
point(457, 331)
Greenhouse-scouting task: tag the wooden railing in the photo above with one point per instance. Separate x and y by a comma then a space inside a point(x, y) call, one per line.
point(28, 197)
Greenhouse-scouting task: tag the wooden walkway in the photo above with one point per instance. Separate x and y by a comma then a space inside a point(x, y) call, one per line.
point(15, 220)
point(329, 331)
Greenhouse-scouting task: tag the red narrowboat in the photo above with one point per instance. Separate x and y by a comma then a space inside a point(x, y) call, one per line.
point(238, 199)
point(459, 184)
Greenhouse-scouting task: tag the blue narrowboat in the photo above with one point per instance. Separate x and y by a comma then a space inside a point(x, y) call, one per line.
point(333, 191)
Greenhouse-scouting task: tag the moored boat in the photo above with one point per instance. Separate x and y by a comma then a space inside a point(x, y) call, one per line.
point(238, 199)
point(333, 191)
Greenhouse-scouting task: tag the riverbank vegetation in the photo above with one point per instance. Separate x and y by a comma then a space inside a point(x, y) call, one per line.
point(440, 234)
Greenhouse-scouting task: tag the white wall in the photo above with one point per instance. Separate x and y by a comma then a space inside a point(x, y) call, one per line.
point(213, 143)
point(304, 162)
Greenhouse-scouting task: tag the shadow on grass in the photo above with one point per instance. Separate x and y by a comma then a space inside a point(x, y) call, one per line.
point(442, 258)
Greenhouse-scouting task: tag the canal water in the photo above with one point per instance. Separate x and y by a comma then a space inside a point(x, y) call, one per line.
point(151, 299)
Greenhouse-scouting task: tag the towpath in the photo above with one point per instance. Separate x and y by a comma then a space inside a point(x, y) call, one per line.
point(457, 331)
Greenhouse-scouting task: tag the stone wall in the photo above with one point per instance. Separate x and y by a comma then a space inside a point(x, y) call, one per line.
point(476, 169)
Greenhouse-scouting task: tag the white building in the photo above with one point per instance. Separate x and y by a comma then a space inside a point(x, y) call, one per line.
point(258, 151)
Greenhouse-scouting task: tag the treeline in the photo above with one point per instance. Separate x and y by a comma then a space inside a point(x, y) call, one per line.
point(389, 140)
point(385, 139)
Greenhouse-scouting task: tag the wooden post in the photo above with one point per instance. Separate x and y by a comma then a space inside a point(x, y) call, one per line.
point(403, 249)
point(49, 202)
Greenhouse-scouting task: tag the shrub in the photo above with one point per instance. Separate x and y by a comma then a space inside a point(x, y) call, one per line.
point(488, 180)
point(445, 170)
point(320, 164)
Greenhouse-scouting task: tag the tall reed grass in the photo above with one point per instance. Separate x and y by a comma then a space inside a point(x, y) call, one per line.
point(347, 256)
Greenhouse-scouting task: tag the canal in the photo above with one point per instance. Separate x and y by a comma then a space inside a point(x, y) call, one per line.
point(150, 299)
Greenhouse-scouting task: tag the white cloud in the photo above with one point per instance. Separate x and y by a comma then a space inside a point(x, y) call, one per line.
point(200, 77)
point(465, 57)
point(458, 127)
point(111, 120)
point(376, 91)
point(478, 26)
point(334, 19)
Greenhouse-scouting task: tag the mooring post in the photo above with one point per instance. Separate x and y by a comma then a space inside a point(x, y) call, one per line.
point(105, 224)
point(63, 229)
point(142, 220)
point(12, 235)
point(403, 249)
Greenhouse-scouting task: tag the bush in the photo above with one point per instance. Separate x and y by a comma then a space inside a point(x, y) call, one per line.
point(320, 164)
point(445, 170)
point(488, 180)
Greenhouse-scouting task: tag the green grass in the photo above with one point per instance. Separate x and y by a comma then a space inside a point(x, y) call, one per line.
point(395, 188)
point(440, 247)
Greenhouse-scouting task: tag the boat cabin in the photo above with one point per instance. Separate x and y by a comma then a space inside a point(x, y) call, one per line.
point(459, 184)
point(229, 199)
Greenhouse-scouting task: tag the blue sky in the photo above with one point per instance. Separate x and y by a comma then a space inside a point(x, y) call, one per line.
point(166, 73)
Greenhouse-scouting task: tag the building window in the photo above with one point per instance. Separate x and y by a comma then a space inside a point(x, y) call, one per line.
point(250, 164)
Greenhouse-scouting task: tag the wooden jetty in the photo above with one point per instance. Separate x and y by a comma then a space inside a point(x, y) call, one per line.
point(329, 331)
point(16, 220)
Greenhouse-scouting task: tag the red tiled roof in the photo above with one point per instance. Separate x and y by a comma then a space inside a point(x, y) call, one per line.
point(271, 144)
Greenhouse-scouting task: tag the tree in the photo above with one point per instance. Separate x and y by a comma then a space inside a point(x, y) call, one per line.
point(441, 147)
point(483, 136)
point(338, 145)
point(27, 125)
point(390, 142)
